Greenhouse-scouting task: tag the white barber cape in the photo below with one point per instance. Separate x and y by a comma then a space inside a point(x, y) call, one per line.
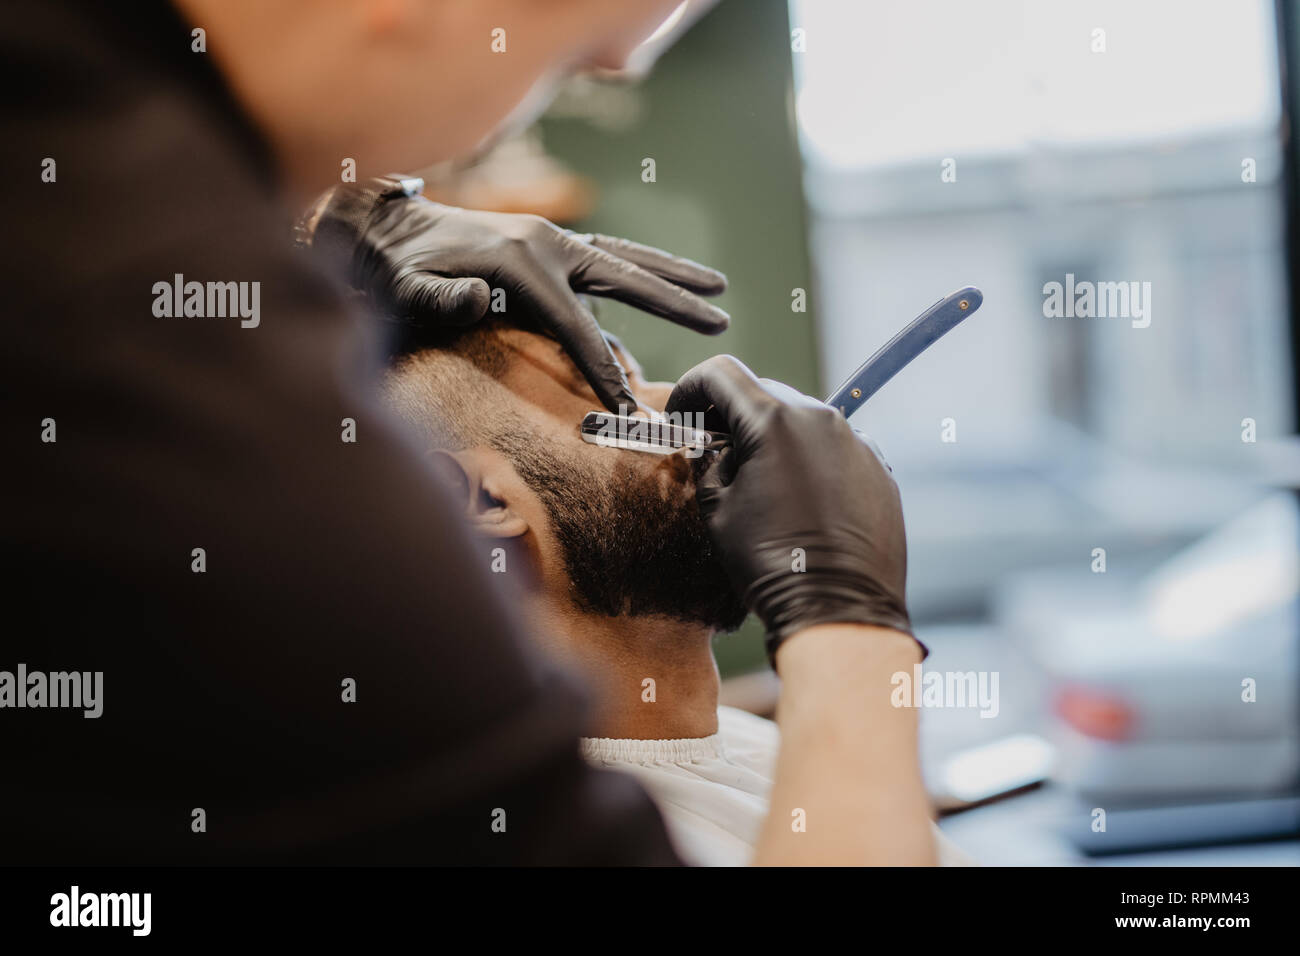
point(713, 791)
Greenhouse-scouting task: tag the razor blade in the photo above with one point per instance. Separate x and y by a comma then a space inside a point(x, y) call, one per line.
point(646, 434)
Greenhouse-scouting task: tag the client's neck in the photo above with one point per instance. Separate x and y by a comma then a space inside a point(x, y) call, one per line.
point(653, 678)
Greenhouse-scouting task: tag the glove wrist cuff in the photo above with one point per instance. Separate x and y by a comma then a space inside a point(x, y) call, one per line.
point(347, 211)
point(788, 604)
point(847, 614)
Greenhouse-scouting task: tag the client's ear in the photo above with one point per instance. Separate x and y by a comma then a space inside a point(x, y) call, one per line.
point(482, 482)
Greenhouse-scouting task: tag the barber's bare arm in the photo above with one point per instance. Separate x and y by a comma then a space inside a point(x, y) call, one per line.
point(848, 769)
point(809, 525)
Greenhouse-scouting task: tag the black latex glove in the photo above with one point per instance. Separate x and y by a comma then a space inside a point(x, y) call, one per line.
point(435, 264)
point(797, 476)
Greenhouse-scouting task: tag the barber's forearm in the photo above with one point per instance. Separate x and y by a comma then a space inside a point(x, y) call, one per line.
point(848, 758)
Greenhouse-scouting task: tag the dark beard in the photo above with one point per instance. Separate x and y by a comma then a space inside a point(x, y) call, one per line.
point(627, 548)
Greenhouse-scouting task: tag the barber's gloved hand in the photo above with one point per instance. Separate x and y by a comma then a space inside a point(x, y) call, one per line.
point(437, 265)
point(806, 517)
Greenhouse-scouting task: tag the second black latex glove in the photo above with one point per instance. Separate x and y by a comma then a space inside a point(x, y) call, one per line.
point(436, 264)
point(806, 517)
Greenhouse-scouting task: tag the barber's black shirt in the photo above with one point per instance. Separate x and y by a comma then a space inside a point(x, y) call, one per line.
point(225, 733)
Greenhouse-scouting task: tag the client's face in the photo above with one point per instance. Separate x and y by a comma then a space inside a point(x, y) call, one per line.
point(610, 530)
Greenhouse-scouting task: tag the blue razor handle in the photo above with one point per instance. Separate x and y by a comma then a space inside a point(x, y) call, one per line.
point(892, 357)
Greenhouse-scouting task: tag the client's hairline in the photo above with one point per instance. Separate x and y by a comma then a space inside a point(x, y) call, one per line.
point(451, 392)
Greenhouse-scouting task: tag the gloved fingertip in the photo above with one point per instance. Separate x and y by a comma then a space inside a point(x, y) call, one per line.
point(704, 317)
point(621, 401)
point(465, 301)
point(725, 468)
point(721, 321)
point(710, 282)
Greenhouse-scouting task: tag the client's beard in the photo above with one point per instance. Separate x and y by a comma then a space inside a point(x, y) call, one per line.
point(627, 547)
